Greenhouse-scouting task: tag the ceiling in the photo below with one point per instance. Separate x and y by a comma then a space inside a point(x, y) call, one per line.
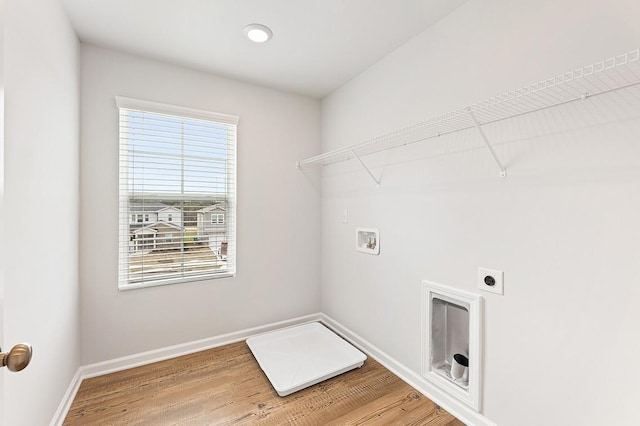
point(317, 45)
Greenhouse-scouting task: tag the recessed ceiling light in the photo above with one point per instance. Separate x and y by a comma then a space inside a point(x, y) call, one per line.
point(258, 33)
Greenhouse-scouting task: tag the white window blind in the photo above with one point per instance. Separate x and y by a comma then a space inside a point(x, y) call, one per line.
point(177, 172)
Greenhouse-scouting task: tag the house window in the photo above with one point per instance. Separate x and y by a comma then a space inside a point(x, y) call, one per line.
point(184, 159)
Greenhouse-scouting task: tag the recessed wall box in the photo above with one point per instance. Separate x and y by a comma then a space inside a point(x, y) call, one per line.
point(451, 328)
point(368, 240)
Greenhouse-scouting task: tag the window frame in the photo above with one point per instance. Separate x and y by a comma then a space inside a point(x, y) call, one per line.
point(230, 200)
point(217, 219)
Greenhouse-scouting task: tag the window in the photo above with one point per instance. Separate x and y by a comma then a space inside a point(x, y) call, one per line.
point(185, 160)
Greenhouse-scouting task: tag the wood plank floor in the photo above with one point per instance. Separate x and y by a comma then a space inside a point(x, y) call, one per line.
point(225, 386)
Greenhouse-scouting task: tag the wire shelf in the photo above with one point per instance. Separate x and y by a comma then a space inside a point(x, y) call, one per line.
point(613, 74)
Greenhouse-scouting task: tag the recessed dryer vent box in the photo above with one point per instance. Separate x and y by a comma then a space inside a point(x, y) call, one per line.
point(451, 325)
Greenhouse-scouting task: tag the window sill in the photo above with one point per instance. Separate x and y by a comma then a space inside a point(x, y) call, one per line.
point(135, 286)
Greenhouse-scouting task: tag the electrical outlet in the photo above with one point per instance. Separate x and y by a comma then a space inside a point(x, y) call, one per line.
point(491, 280)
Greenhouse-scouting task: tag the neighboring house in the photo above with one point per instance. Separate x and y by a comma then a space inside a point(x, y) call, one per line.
point(212, 226)
point(212, 220)
point(154, 226)
point(142, 213)
point(170, 215)
point(157, 236)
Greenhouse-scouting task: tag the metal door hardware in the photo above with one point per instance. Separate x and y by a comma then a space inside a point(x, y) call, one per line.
point(17, 358)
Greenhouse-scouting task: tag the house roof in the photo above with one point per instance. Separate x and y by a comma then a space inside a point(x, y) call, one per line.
point(145, 230)
point(146, 206)
point(212, 208)
point(154, 227)
point(170, 208)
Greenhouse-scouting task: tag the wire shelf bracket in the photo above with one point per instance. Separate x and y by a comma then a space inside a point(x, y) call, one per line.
point(503, 170)
point(614, 74)
point(377, 181)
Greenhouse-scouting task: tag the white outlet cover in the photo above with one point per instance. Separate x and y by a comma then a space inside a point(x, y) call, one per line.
point(498, 276)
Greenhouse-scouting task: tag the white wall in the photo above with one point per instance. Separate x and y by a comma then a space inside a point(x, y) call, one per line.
point(563, 225)
point(278, 262)
point(40, 186)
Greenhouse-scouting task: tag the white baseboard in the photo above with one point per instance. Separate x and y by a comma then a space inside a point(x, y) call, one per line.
point(447, 402)
point(144, 358)
point(67, 399)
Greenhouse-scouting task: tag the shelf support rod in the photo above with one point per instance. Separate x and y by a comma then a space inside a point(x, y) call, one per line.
point(503, 171)
point(365, 167)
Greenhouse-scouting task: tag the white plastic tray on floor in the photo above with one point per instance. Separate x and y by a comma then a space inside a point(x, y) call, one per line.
point(298, 357)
